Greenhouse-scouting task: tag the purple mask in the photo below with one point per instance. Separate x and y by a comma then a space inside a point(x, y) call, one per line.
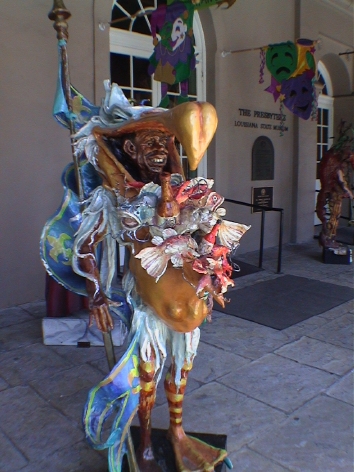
point(298, 95)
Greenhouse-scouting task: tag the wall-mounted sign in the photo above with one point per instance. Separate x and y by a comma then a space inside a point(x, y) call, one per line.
point(262, 196)
point(261, 115)
point(263, 159)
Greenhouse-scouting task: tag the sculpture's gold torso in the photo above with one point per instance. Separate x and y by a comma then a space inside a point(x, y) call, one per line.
point(173, 298)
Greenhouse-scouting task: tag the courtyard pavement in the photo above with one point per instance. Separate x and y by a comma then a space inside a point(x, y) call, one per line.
point(283, 398)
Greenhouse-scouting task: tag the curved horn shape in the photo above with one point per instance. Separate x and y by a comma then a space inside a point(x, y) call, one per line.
point(194, 125)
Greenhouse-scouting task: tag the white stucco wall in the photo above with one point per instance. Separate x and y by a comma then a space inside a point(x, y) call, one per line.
point(33, 148)
point(237, 79)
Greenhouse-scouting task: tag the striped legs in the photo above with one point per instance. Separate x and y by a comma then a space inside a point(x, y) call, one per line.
point(191, 454)
point(145, 456)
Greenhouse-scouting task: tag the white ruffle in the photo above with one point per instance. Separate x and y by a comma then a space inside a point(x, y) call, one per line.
point(155, 335)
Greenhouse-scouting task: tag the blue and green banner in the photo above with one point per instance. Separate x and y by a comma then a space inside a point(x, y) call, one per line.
point(117, 394)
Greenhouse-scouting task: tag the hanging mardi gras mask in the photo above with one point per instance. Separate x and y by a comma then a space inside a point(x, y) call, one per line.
point(305, 57)
point(281, 60)
point(298, 92)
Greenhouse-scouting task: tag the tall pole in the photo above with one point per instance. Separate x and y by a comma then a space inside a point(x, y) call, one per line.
point(59, 14)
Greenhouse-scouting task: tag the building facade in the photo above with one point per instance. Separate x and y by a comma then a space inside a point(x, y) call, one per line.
point(34, 149)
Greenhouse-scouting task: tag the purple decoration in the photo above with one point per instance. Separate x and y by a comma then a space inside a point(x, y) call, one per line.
point(157, 19)
point(173, 58)
point(273, 88)
point(262, 56)
point(174, 11)
point(298, 95)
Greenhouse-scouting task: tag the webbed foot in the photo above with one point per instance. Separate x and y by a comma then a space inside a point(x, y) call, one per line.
point(194, 455)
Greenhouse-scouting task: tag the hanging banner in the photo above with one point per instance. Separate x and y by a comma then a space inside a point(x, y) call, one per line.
point(293, 69)
point(199, 4)
point(173, 60)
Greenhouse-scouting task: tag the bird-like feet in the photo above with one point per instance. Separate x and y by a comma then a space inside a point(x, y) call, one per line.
point(192, 454)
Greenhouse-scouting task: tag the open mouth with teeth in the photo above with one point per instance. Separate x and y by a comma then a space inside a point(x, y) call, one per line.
point(154, 161)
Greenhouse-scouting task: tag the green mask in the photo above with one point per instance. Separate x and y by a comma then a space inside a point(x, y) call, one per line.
point(281, 60)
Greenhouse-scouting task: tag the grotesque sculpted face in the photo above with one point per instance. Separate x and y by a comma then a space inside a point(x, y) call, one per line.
point(149, 151)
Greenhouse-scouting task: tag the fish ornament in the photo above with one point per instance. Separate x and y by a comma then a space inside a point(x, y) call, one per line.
point(175, 248)
point(230, 233)
point(193, 189)
point(201, 238)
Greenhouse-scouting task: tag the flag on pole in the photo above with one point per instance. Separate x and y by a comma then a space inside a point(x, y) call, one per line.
point(82, 109)
point(117, 394)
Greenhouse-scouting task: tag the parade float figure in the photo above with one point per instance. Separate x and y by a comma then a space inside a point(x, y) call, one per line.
point(179, 246)
point(334, 173)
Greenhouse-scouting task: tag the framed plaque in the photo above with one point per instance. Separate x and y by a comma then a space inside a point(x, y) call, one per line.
point(263, 159)
point(262, 196)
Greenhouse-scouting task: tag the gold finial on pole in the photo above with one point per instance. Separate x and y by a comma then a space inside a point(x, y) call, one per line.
point(59, 14)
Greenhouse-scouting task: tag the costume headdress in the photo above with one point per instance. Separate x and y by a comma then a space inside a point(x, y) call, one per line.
point(193, 124)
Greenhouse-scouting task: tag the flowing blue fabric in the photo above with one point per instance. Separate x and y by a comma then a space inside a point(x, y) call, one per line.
point(83, 109)
point(58, 234)
point(117, 394)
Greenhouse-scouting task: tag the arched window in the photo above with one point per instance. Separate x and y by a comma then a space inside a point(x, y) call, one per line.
point(130, 48)
point(325, 114)
point(324, 120)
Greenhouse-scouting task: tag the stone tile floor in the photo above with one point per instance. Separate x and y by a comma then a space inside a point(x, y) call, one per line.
point(284, 398)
